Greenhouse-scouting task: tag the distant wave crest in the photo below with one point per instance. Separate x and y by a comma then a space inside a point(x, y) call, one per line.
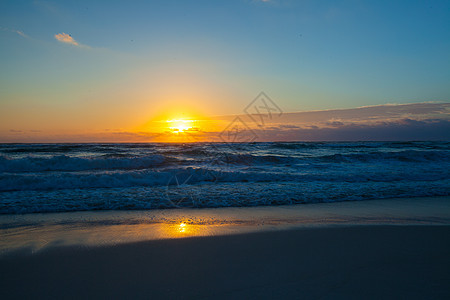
point(67, 163)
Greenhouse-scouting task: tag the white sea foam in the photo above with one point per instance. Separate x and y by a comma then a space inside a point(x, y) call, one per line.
point(58, 177)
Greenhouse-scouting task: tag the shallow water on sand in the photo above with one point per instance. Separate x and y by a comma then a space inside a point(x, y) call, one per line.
point(34, 232)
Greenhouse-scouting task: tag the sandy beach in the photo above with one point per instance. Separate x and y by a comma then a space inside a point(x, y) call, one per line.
point(359, 262)
point(389, 249)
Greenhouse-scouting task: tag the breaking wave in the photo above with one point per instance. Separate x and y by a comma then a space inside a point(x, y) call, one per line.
point(68, 177)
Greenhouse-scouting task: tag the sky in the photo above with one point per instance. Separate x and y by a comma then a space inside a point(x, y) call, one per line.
point(116, 70)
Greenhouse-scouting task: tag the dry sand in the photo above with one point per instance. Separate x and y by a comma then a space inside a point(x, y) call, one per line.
point(361, 262)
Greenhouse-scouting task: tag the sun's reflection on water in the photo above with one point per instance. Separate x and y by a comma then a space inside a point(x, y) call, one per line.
point(98, 234)
point(183, 229)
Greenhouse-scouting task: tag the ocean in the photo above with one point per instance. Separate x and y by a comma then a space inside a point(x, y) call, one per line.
point(39, 178)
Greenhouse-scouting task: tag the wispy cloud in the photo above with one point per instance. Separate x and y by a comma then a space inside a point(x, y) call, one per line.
point(19, 32)
point(68, 39)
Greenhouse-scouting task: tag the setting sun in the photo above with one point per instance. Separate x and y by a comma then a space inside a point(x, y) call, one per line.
point(181, 125)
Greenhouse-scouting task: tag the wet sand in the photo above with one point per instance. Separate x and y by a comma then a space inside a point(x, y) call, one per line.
point(36, 232)
point(360, 262)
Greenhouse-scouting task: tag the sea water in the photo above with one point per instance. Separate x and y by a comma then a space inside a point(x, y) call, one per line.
point(37, 178)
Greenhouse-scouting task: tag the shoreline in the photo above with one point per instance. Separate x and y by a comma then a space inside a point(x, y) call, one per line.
point(36, 232)
point(369, 261)
point(354, 250)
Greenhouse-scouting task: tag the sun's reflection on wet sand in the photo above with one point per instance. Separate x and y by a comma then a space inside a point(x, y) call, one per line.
point(184, 229)
point(99, 235)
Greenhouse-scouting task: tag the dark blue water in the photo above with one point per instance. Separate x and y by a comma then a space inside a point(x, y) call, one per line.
point(73, 177)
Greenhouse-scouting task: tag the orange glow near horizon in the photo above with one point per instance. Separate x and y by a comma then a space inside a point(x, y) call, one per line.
point(180, 125)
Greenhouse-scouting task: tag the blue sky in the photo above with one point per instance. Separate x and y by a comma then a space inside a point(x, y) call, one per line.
point(128, 60)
